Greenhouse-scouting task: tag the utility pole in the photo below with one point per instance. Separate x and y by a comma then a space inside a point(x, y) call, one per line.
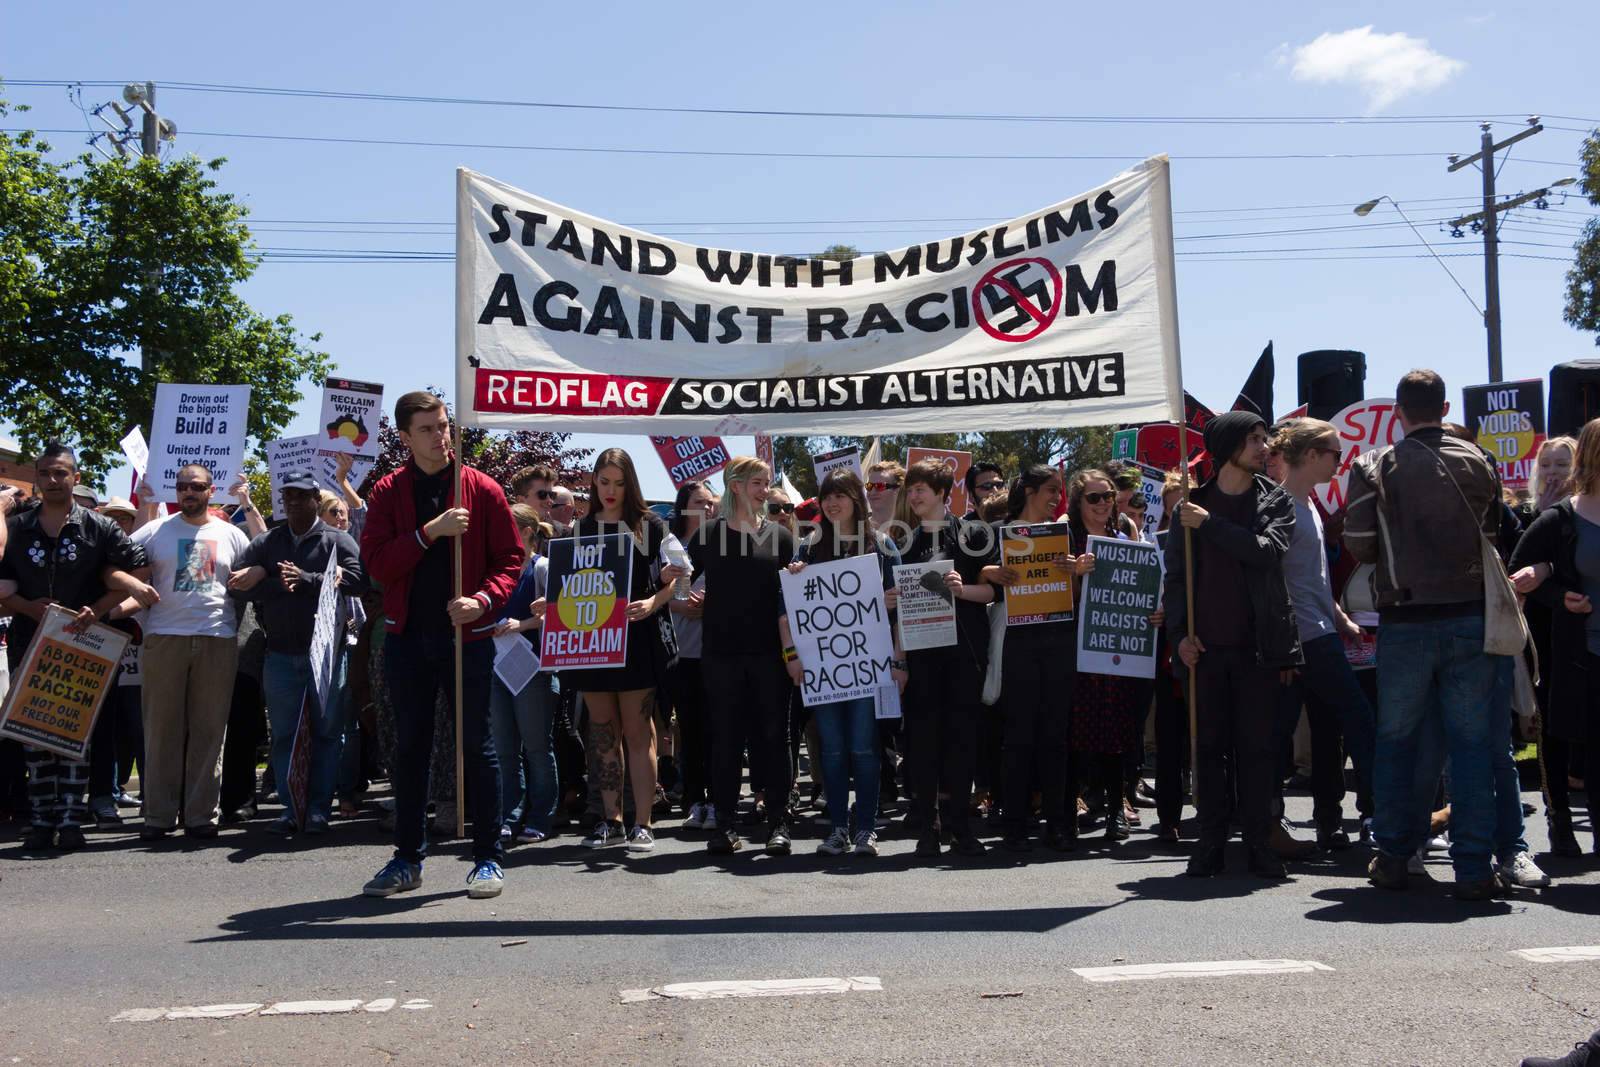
point(150, 132)
point(1489, 217)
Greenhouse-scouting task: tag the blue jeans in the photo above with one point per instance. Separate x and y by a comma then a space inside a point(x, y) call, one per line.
point(284, 681)
point(1328, 684)
point(416, 667)
point(849, 733)
point(526, 723)
point(1435, 673)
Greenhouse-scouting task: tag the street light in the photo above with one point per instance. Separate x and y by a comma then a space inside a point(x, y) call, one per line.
point(1366, 208)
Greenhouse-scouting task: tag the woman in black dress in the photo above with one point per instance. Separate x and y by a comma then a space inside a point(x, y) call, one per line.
point(619, 699)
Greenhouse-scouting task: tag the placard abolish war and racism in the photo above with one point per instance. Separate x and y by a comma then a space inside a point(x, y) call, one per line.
point(204, 424)
point(1043, 592)
point(1062, 317)
point(1115, 634)
point(840, 625)
point(586, 612)
point(60, 685)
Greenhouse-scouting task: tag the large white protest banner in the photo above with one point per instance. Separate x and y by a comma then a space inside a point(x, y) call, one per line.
point(203, 424)
point(840, 625)
point(286, 456)
point(1063, 317)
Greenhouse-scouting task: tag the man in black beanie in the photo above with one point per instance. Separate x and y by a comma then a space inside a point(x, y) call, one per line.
point(1246, 642)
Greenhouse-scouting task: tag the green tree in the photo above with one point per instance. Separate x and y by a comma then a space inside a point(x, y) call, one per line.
point(1583, 280)
point(104, 262)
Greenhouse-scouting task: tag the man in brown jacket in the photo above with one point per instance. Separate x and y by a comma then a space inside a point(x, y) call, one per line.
point(1418, 510)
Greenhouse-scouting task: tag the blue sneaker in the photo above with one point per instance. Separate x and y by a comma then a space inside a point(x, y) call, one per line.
point(397, 876)
point(486, 880)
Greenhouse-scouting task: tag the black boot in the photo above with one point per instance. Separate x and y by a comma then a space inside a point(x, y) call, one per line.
point(1117, 824)
point(1206, 861)
point(1563, 842)
point(1583, 1054)
point(1264, 863)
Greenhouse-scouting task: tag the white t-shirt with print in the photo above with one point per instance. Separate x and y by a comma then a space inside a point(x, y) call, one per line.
point(189, 567)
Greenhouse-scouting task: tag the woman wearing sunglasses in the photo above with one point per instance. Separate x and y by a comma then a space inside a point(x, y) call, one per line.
point(1038, 669)
point(1105, 708)
point(740, 554)
point(849, 728)
point(944, 704)
point(780, 509)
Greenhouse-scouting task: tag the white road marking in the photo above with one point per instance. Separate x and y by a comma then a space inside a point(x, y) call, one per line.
point(212, 1011)
point(1571, 954)
point(312, 1007)
point(283, 1007)
point(1215, 969)
point(772, 987)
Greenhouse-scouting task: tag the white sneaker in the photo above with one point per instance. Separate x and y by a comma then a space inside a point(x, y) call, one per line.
point(710, 820)
point(867, 842)
point(641, 840)
point(697, 817)
point(486, 880)
point(1418, 863)
point(1524, 873)
point(1438, 844)
point(837, 844)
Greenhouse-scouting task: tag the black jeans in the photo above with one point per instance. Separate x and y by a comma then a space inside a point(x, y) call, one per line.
point(1560, 762)
point(694, 752)
point(103, 748)
point(1037, 676)
point(1172, 747)
point(247, 719)
point(747, 699)
point(943, 707)
point(416, 666)
point(1236, 722)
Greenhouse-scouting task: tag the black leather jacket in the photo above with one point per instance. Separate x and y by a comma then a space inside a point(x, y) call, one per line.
point(1261, 550)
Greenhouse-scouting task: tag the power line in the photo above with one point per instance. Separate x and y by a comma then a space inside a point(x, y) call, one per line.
point(949, 116)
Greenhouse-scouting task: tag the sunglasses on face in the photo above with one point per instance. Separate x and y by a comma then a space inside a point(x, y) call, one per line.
point(989, 487)
point(878, 487)
point(544, 494)
point(193, 487)
point(775, 508)
point(1098, 498)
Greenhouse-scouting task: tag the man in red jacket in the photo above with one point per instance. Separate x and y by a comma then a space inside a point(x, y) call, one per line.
point(411, 517)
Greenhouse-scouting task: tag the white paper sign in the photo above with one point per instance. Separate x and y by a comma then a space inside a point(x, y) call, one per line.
point(926, 611)
point(325, 466)
point(1152, 482)
point(291, 454)
point(325, 633)
point(203, 424)
point(846, 458)
point(137, 451)
point(514, 661)
point(351, 412)
point(1064, 316)
point(840, 626)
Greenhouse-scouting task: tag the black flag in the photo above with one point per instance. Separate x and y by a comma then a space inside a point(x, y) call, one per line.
point(1256, 394)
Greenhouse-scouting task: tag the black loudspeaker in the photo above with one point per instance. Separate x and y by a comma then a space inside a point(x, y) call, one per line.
point(1574, 396)
point(1331, 380)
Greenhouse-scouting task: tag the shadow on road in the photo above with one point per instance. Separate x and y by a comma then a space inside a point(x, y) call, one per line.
point(327, 920)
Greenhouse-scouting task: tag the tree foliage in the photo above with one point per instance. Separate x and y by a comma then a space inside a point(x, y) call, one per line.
point(1583, 280)
point(102, 262)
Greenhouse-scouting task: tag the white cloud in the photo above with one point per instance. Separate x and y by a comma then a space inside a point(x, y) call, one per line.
point(1386, 66)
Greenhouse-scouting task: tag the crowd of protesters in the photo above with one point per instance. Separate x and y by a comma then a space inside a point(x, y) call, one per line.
point(1002, 740)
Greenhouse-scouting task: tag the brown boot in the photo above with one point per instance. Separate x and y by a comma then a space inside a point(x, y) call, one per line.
point(1287, 846)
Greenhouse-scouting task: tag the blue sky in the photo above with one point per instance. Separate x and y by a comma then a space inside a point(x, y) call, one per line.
point(392, 321)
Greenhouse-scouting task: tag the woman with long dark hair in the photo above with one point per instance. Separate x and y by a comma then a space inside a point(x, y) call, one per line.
point(694, 506)
point(848, 728)
point(1039, 667)
point(1105, 708)
point(740, 554)
point(618, 699)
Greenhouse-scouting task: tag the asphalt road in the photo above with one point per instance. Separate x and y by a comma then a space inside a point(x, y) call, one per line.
point(1405, 978)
